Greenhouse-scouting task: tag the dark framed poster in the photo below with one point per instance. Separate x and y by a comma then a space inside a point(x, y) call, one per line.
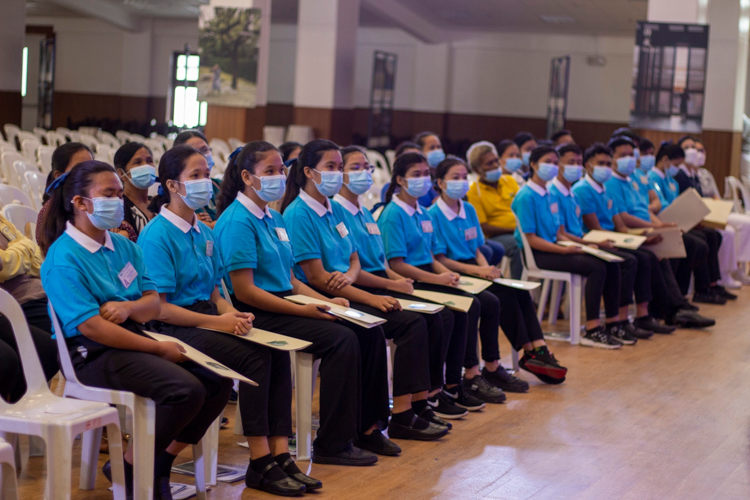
point(557, 103)
point(382, 93)
point(669, 76)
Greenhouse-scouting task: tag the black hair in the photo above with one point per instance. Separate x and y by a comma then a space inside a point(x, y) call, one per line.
point(538, 152)
point(185, 136)
point(171, 165)
point(248, 157)
point(645, 144)
point(400, 167)
point(310, 156)
point(569, 148)
point(620, 140)
point(61, 159)
point(351, 150)
point(522, 138)
point(420, 138)
point(670, 150)
point(685, 138)
point(406, 145)
point(560, 133)
point(626, 132)
point(596, 149)
point(445, 165)
point(61, 211)
point(503, 145)
point(126, 152)
point(287, 148)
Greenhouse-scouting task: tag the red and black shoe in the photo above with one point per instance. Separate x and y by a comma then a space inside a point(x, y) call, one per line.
point(543, 364)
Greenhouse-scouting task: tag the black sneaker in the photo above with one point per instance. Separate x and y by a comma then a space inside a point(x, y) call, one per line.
point(600, 339)
point(723, 292)
point(443, 407)
point(543, 365)
point(458, 397)
point(707, 297)
point(650, 323)
point(107, 471)
point(619, 334)
point(483, 390)
point(690, 307)
point(504, 380)
point(690, 319)
point(429, 415)
point(639, 333)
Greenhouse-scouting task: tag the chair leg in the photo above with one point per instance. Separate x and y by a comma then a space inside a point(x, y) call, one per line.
point(576, 293)
point(543, 300)
point(12, 440)
point(303, 377)
point(199, 464)
point(59, 464)
point(144, 432)
point(36, 446)
point(514, 358)
point(555, 302)
point(90, 445)
point(238, 431)
point(8, 484)
point(211, 450)
point(114, 441)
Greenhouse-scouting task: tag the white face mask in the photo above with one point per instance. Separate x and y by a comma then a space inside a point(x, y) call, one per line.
point(691, 156)
point(700, 160)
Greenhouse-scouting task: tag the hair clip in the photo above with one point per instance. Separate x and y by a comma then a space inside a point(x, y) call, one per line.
point(56, 183)
point(161, 190)
point(235, 153)
point(290, 162)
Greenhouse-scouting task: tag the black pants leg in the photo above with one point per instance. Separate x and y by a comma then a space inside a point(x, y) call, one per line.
point(667, 297)
point(647, 264)
point(37, 315)
point(629, 273)
point(337, 347)
point(489, 312)
point(46, 349)
point(188, 397)
point(695, 262)
point(517, 318)
point(12, 383)
point(712, 238)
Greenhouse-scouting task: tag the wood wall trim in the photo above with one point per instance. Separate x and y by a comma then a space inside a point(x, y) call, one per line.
point(11, 104)
point(73, 107)
point(47, 30)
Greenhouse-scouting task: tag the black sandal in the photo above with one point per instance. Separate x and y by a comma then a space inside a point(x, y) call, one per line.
point(286, 487)
point(309, 482)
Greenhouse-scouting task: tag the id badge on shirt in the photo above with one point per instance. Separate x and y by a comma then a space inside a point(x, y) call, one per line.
point(470, 234)
point(636, 187)
point(373, 228)
point(341, 228)
point(673, 187)
point(554, 208)
point(209, 249)
point(426, 226)
point(578, 211)
point(128, 275)
point(644, 180)
point(8, 233)
point(610, 203)
point(281, 233)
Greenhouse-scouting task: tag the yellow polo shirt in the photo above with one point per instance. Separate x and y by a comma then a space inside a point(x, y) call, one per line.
point(492, 203)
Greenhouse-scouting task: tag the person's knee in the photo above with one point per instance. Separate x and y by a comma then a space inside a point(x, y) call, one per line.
point(346, 342)
point(490, 302)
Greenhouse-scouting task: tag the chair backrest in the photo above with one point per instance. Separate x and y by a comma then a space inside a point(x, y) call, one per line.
point(11, 131)
point(102, 149)
point(6, 146)
point(274, 134)
point(300, 133)
point(107, 138)
point(29, 147)
point(390, 155)
point(12, 194)
point(44, 158)
point(8, 158)
point(89, 140)
point(20, 216)
point(66, 365)
point(732, 191)
point(235, 143)
point(155, 145)
point(24, 135)
point(40, 133)
point(35, 185)
point(18, 170)
point(136, 138)
point(55, 139)
point(123, 136)
point(377, 160)
point(74, 135)
point(527, 252)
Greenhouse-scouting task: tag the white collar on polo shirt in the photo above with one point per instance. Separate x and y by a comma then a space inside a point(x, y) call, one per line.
point(405, 207)
point(253, 207)
point(541, 191)
point(687, 171)
point(178, 221)
point(658, 172)
point(448, 211)
point(348, 205)
point(86, 241)
point(315, 205)
point(560, 187)
point(599, 189)
point(620, 177)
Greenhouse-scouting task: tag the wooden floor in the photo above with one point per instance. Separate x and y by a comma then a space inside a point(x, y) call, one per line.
point(668, 418)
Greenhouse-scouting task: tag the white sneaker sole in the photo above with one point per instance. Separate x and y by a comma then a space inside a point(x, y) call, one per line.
point(598, 345)
point(449, 417)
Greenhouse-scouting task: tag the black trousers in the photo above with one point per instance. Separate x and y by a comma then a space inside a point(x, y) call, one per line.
point(642, 274)
point(712, 238)
point(266, 410)
point(602, 279)
point(667, 297)
point(188, 397)
point(694, 263)
point(342, 397)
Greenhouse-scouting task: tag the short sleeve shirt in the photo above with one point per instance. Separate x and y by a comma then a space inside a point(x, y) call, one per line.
point(594, 199)
point(569, 209)
point(365, 231)
point(537, 213)
point(492, 203)
point(624, 191)
point(458, 233)
point(408, 233)
point(667, 187)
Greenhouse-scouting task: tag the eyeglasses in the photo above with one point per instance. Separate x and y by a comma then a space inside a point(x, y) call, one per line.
point(205, 151)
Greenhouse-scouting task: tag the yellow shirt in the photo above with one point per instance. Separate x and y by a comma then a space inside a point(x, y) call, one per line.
point(492, 203)
point(18, 254)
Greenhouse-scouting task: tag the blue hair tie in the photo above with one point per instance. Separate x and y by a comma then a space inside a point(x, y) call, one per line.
point(236, 152)
point(161, 190)
point(289, 163)
point(56, 183)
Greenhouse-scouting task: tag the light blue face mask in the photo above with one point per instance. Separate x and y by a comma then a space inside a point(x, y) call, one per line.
point(108, 212)
point(142, 177)
point(547, 171)
point(672, 170)
point(210, 161)
point(271, 187)
point(525, 158)
point(418, 186)
point(198, 193)
point(572, 173)
point(513, 164)
point(601, 174)
point(359, 182)
point(330, 183)
point(636, 153)
point(456, 189)
point(647, 162)
point(434, 157)
point(493, 175)
point(626, 166)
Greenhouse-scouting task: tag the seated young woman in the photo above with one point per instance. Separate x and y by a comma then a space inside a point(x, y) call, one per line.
point(184, 262)
point(409, 241)
point(459, 234)
point(195, 139)
point(100, 289)
point(134, 163)
point(257, 253)
point(328, 261)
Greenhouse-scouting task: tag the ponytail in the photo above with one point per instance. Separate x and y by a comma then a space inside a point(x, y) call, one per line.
point(402, 165)
point(171, 165)
point(295, 181)
point(244, 158)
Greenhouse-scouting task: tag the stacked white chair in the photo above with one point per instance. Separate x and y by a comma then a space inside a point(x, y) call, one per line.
point(8, 484)
point(273, 134)
point(24, 218)
point(56, 420)
point(40, 133)
point(29, 148)
point(35, 185)
point(300, 133)
point(109, 139)
point(55, 139)
point(11, 131)
point(12, 194)
point(7, 159)
point(89, 140)
point(235, 143)
point(44, 158)
point(18, 170)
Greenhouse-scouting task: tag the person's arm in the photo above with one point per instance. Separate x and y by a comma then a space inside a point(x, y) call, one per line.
point(143, 310)
point(489, 230)
point(480, 270)
point(537, 243)
point(417, 274)
point(18, 258)
point(399, 284)
point(337, 280)
point(654, 203)
point(633, 221)
point(591, 221)
point(228, 321)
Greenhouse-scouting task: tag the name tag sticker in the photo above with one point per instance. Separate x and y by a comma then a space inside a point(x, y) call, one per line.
point(553, 207)
point(470, 234)
point(209, 249)
point(426, 226)
point(128, 275)
point(578, 211)
point(644, 180)
point(610, 203)
point(373, 228)
point(673, 187)
point(341, 228)
point(636, 187)
point(281, 233)
point(8, 233)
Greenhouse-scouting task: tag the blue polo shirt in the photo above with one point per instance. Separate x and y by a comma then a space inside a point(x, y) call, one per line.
point(425, 201)
point(251, 238)
point(537, 213)
point(458, 233)
point(365, 232)
point(666, 187)
point(79, 275)
point(317, 233)
point(624, 192)
point(568, 208)
point(644, 186)
point(594, 199)
point(408, 233)
point(182, 258)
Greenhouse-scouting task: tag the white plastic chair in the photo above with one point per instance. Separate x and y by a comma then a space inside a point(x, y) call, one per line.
point(12, 194)
point(75, 136)
point(8, 158)
point(35, 184)
point(378, 160)
point(55, 139)
point(122, 136)
point(103, 149)
point(274, 134)
point(89, 140)
point(20, 216)
point(44, 158)
point(305, 375)
point(108, 139)
point(92, 131)
point(136, 138)
point(18, 170)
point(29, 147)
point(575, 288)
point(64, 131)
point(11, 132)
point(156, 146)
point(300, 133)
point(54, 419)
point(144, 414)
point(6, 146)
point(235, 143)
point(8, 485)
point(390, 155)
point(40, 133)
point(734, 190)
